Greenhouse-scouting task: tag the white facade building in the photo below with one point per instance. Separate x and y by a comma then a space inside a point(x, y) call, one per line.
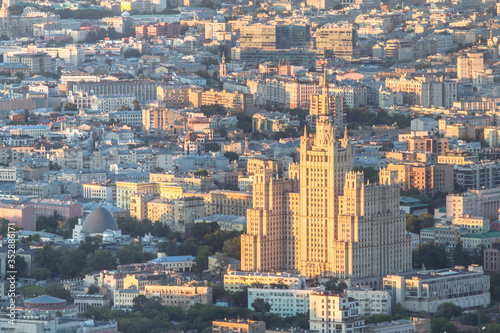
point(329, 313)
point(426, 290)
point(236, 281)
point(284, 302)
point(371, 302)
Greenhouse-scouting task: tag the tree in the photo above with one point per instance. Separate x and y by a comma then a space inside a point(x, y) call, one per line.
point(415, 224)
point(136, 105)
point(333, 284)
point(48, 223)
point(21, 266)
point(432, 254)
point(41, 274)
point(132, 253)
point(201, 173)
point(70, 107)
point(102, 260)
point(261, 306)
point(124, 108)
point(222, 262)
point(132, 53)
point(232, 247)
point(200, 262)
point(58, 290)
point(461, 256)
point(4, 225)
point(231, 156)
point(71, 262)
point(448, 310)
point(440, 325)
point(93, 289)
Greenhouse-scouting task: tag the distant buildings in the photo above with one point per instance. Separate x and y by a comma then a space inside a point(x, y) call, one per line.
point(238, 326)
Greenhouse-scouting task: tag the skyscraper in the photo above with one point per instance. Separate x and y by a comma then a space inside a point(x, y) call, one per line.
point(324, 161)
point(268, 244)
point(324, 218)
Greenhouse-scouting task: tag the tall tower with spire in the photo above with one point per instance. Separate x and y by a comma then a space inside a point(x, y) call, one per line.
point(324, 104)
point(223, 67)
point(324, 162)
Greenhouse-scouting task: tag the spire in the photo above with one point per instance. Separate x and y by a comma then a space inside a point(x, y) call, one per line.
point(345, 132)
point(325, 80)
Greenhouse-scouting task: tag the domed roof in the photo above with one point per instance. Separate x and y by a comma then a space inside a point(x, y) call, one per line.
point(98, 221)
point(125, 14)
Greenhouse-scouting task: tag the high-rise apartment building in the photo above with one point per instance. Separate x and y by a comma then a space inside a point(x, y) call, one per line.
point(332, 313)
point(425, 91)
point(470, 65)
point(268, 244)
point(342, 41)
point(338, 225)
point(157, 121)
point(270, 37)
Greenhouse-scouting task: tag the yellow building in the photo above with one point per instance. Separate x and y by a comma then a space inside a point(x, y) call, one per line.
point(227, 202)
point(265, 247)
point(183, 297)
point(125, 190)
point(236, 101)
point(179, 214)
point(238, 326)
point(157, 121)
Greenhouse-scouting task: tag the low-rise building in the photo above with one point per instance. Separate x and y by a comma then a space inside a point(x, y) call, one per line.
point(183, 297)
point(284, 302)
point(426, 290)
point(124, 298)
point(333, 313)
point(235, 281)
point(238, 326)
point(371, 302)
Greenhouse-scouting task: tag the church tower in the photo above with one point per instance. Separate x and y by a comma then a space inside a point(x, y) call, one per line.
point(223, 67)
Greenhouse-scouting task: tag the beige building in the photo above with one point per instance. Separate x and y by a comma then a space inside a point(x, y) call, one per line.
point(235, 101)
point(178, 214)
point(174, 96)
point(125, 190)
point(470, 65)
point(420, 143)
point(474, 224)
point(341, 41)
point(139, 206)
point(158, 121)
point(429, 178)
point(334, 313)
point(237, 281)
point(180, 296)
point(266, 246)
point(425, 91)
point(227, 202)
point(238, 326)
point(483, 202)
point(125, 297)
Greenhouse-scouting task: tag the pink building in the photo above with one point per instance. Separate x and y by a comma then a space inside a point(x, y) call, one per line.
point(23, 216)
point(66, 209)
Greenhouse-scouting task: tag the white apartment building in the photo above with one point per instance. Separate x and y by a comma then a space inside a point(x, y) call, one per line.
point(125, 297)
point(474, 224)
point(329, 313)
point(354, 96)
point(371, 302)
point(426, 290)
point(72, 54)
point(236, 281)
point(284, 302)
point(107, 103)
point(470, 65)
point(179, 214)
point(131, 118)
point(483, 202)
point(183, 297)
point(36, 131)
point(8, 174)
point(102, 191)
